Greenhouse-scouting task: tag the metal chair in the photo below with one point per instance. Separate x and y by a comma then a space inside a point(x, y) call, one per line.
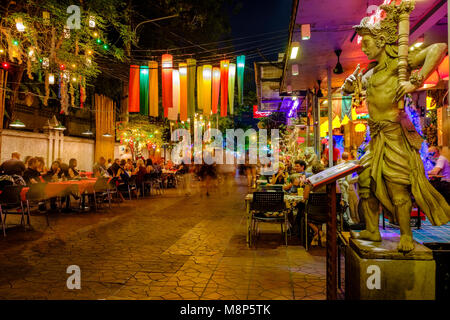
point(9, 201)
point(101, 192)
point(35, 195)
point(316, 210)
point(263, 203)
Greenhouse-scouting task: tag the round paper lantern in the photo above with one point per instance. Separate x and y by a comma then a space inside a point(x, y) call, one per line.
point(300, 140)
point(360, 127)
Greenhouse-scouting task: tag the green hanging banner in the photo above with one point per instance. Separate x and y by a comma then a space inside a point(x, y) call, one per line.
point(240, 78)
point(144, 88)
point(191, 79)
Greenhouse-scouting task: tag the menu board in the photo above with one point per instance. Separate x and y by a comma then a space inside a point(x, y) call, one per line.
point(334, 173)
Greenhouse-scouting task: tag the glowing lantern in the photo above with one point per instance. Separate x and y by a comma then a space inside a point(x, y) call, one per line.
point(167, 94)
point(51, 78)
point(444, 69)
point(91, 22)
point(336, 123)
point(153, 96)
point(224, 67)
point(432, 80)
point(133, 89)
point(295, 69)
point(345, 120)
point(183, 91)
point(231, 84)
point(200, 87)
point(324, 129)
point(45, 63)
point(215, 90)
point(191, 87)
point(431, 105)
point(173, 112)
point(143, 90)
point(19, 25)
point(306, 31)
point(354, 115)
point(360, 127)
point(207, 77)
point(240, 78)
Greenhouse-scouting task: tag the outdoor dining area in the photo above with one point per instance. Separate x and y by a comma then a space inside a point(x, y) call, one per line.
point(37, 191)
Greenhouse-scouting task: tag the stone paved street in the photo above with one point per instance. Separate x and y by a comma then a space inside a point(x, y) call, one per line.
point(161, 247)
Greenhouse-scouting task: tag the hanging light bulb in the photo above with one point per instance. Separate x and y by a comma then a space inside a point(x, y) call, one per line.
point(66, 32)
point(51, 78)
point(45, 63)
point(19, 25)
point(91, 22)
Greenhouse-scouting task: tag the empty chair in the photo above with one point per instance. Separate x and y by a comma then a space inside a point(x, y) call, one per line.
point(268, 207)
point(11, 203)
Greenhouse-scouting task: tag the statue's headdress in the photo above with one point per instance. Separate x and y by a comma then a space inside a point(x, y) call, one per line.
point(383, 23)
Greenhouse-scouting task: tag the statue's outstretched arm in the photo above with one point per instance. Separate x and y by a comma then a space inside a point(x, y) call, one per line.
point(428, 58)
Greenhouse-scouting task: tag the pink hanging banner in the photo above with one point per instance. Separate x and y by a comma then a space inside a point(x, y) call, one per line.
point(224, 66)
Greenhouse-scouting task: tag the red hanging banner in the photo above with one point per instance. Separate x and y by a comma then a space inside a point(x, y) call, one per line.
point(224, 66)
point(167, 94)
point(133, 89)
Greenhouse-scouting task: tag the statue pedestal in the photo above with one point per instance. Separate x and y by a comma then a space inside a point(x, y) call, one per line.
point(377, 271)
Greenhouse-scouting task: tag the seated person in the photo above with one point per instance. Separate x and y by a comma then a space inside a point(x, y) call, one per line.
point(31, 174)
point(13, 166)
point(296, 179)
point(72, 171)
point(441, 168)
point(281, 177)
point(316, 168)
point(54, 174)
point(99, 169)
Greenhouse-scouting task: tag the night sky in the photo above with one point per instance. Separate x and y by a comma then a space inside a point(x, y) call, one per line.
point(262, 16)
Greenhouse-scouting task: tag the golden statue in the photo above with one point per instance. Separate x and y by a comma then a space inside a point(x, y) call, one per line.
point(392, 165)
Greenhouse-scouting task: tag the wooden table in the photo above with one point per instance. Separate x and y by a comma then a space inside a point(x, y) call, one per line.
point(291, 200)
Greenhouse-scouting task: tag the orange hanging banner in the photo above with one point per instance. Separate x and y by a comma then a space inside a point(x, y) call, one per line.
point(183, 91)
point(133, 89)
point(167, 94)
point(224, 66)
point(215, 89)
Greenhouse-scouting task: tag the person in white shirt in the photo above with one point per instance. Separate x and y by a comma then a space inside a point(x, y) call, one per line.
point(442, 168)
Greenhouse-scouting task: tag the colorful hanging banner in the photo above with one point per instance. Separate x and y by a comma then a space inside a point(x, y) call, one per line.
point(191, 63)
point(153, 97)
point(144, 88)
point(182, 69)
point(224, 66)
point(207, 75)
point(215, 89)
point(167, 94)
point(240, 78)
point(231, 84)
point(133, 89)
point(200, 87)
point(173, 112)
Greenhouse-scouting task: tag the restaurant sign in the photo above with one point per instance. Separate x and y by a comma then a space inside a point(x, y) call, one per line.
point(260, 114)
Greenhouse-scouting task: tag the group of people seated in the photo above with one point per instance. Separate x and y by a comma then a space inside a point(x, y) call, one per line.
point(33, 170)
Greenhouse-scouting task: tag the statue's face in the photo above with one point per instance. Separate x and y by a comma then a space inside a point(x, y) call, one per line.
point(371, 47)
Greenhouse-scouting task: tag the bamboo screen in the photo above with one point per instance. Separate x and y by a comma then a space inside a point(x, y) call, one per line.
point(3, 79)
point(104, 123)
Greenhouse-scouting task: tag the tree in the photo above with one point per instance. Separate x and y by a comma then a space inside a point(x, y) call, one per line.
point(37, 40)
